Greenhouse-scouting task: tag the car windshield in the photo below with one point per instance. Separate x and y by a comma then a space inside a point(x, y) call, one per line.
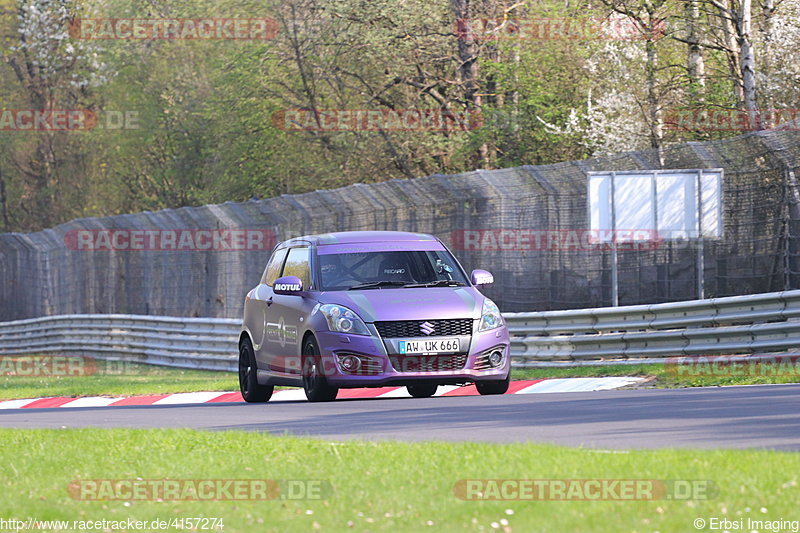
point(394, 269)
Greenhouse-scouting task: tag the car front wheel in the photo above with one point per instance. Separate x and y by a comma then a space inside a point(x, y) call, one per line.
point(315, 384)
point(251, 390)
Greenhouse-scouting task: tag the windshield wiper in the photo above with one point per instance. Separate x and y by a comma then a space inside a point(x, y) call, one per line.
point(438, 283)
point(386, 283)
point(377, 285)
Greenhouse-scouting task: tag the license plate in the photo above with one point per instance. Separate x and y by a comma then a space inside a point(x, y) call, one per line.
point(429, 346)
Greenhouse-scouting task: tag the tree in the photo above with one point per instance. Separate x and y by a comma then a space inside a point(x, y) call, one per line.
point(55, 73)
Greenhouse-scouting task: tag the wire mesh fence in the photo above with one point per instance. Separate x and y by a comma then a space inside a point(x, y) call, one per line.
point(519, 223)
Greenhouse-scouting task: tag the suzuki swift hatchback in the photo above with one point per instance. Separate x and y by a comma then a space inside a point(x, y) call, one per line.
point(370, 309)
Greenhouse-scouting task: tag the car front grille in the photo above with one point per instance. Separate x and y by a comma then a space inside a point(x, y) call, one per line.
point(415, 328)
point(428, 363)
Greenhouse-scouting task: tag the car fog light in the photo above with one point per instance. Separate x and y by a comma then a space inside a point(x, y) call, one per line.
point(350, 363)
point(495, 358)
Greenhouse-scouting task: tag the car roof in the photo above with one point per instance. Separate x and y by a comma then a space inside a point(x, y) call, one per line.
point(355, 237)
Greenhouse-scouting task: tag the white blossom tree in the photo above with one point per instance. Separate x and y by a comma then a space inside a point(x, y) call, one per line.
point(56, 72)
point(779, 75)
point(615, 117)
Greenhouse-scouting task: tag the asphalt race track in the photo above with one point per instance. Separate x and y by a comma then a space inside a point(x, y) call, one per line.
point(765, 416)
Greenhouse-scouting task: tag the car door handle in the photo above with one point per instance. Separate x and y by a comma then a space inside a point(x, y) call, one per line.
point(269, 301)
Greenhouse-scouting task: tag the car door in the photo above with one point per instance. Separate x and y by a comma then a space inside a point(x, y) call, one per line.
point(258, 302)
point(284, 316)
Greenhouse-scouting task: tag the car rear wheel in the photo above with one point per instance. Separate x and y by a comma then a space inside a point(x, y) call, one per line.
point(315, 384)
point(251, 390)
point(422, 390)
point(493, 387)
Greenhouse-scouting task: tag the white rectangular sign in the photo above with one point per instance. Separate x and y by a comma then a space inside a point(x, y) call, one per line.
point(655, 204)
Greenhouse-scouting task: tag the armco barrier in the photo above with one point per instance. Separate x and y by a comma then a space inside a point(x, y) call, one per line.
point(733, 325)
point(756, 323)
point(200, 343)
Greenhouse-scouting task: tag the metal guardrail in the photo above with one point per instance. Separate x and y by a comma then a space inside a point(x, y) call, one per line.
point(756, 323)
point(640, 333)
point(200, 343)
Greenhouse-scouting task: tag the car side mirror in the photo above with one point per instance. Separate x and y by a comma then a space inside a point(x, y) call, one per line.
point(482, 277)
point(287, 285)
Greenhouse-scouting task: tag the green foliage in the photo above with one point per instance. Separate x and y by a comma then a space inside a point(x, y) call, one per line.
point(203, 125)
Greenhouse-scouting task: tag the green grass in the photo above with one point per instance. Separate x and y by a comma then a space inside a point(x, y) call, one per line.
point(386, 486)
point(664, 376)
point(127, 379)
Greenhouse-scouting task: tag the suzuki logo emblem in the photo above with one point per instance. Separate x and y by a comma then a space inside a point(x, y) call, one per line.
point(426, 328)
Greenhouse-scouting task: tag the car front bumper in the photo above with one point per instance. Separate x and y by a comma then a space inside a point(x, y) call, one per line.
point(380, 367)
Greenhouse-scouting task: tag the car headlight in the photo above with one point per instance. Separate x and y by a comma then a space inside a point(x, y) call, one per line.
point(490, 316)
point(343, 320)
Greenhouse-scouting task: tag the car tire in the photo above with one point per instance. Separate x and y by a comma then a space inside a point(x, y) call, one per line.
point(486, 388)
point(423, 390)
point(315, 384)
point(251, 390)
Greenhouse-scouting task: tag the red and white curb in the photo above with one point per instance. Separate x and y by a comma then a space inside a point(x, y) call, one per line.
point(289, 395)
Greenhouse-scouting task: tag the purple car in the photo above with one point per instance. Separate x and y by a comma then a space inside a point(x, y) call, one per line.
point(370, 309)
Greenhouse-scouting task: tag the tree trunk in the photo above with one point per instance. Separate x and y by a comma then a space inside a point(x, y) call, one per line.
point(467, 53)
point(653, 104)
point(515, 58)
point(748, 62)
point(768, 11)
point(4, 204)
point(468, 62)
point(695, 63)
point(732, 45)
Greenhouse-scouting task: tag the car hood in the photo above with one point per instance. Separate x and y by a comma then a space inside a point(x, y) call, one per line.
point(427, 303)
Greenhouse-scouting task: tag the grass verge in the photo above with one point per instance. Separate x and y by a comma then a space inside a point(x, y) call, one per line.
point(671, 376)
point(385, 486)
point(132, 379)
point(128, 379)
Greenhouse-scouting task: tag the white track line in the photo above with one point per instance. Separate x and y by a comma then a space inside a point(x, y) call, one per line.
point(188, 398)
point(615, 383)
point(288, 395)
point(91, 401)
point(577, 385)
point(17, 404)
point(399, 392)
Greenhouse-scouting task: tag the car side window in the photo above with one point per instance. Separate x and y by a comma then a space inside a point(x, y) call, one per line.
point(297, 265)
point(273, 270)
